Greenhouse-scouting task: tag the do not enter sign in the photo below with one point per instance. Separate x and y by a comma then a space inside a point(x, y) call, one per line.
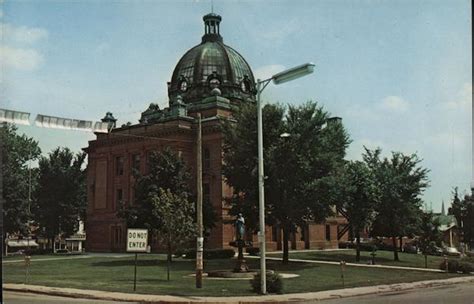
point(137, 240)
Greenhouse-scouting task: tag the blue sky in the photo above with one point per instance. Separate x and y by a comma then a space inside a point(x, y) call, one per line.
point(398, 72)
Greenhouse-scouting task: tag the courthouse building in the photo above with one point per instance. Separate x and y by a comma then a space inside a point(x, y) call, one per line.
point(212, 79)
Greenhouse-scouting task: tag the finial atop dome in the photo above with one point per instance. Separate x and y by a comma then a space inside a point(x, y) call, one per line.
point(211, 28)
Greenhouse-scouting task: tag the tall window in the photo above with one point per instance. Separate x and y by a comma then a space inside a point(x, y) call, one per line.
point(328, 232)
point(275, 233)
point(206, 194)
point(118, 198)
point(206, 159)
point(119, 161)
point(136, 162)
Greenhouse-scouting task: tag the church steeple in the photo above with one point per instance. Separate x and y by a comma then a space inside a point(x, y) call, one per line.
point(211, 28)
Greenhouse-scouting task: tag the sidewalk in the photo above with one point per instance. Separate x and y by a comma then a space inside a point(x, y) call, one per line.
point(288, 298)
point(353, 264)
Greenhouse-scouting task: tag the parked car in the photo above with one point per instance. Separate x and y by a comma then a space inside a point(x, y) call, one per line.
point(435, 250)
point(452, 251)
point(410, 248)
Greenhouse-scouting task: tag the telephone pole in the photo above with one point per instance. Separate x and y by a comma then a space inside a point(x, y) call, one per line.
point(200, 239)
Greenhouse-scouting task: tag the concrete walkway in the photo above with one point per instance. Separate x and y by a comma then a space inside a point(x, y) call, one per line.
point(288, 298)
point(353, 264)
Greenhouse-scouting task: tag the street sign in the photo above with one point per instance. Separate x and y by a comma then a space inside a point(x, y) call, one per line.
point(137, 240)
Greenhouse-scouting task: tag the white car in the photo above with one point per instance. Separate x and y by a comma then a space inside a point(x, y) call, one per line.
point(451, 251)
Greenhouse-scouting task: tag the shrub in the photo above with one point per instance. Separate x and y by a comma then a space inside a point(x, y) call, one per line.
point(253, 251)
point(367, 247)
point(274, 283)
point(453, 266)
point(211, 254)
point(465, 267)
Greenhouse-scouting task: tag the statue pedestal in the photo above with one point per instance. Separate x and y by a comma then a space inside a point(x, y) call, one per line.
point(241, 266)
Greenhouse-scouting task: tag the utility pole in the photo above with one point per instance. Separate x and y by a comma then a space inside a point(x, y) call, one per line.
point(3, 242)
point(200, 239)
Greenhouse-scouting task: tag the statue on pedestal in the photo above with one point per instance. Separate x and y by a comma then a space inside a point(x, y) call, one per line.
point(241, 266)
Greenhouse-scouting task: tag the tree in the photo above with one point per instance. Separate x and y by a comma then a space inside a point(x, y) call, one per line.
point(60, 200)
point(298, 169)
point(400, 181)
point(17, 151)
point(167, 172)
point(429, 234)
point(177, 220)
point(468, 220)
point(357, 195)
point(457, 206)
point(463, 211)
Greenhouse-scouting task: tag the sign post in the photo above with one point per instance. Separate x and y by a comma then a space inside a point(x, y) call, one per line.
point(137, 241)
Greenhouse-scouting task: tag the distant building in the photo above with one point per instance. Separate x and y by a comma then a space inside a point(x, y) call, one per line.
point(449, 227)
point(212, 79)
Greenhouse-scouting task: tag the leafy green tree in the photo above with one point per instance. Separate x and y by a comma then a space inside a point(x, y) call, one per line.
point(463, 211)
point(457, 206)
point(17, 151)
point(167, 172)
point(400, 181)
point(358, 196)
point(60, 200)
point(177, 216)
point(468, 220)
point(298, 168)
point(429, 234)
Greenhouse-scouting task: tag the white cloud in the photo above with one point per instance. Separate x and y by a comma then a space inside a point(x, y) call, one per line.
point(280, 32)
point(23, 34)
point(394, 103)
point(268, 71)
point(102, 47)
point(463, 99)
point(21, 59)
point(449, 140)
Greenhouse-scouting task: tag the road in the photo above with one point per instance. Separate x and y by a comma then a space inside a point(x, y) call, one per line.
point(10, 297)
point(450, 294)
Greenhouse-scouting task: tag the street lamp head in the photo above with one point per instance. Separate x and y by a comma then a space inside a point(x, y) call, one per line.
point(293, 73)
point(334, 120)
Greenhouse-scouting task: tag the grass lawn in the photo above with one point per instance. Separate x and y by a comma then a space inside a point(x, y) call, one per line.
point(116, 274)
point(383, 257)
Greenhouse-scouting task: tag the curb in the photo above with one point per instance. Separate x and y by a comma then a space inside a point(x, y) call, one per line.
point(289, 298)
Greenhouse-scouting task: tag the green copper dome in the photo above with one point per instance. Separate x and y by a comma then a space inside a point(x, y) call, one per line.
point(210, 65)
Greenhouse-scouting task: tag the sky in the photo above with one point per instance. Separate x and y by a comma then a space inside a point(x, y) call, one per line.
point(398, 72)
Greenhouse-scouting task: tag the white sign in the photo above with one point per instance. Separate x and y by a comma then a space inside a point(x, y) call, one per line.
point(137, 240)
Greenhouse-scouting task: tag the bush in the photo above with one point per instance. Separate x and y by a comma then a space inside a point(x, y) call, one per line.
point(255, 251)
point(465, 267)
point(211, 254)
point(366, 247)
point(274, 283)
point(453, 266)
point(344, 245)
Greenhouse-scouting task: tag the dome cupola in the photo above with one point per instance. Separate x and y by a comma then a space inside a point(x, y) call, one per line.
point(211, 65)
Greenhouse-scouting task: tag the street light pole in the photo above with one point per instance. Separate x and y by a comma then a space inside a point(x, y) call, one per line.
point(261, 192)
point(199, 243)
point(282, 77)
